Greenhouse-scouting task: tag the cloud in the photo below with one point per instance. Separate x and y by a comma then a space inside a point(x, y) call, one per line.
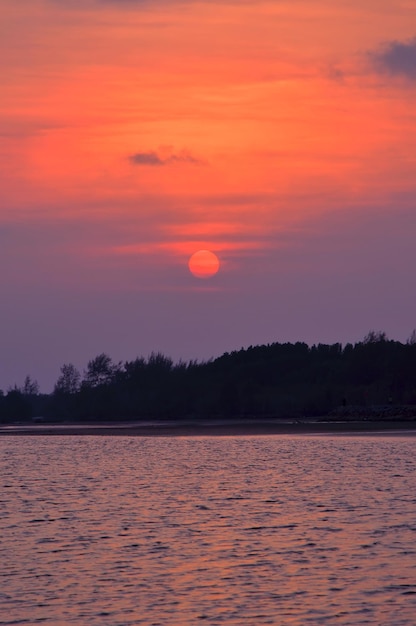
point(119, 4)
point(336, 74)
point(154, 159)
point(130, 3)
point(396, 58)
point(140, 5)
point(146, 158)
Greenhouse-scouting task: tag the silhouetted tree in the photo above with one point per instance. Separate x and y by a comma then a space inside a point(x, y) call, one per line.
point(17, 405)
point(30, 387)
point(375, 337)
point(268, 380)
point(69, 380)
point(100, 371)
point(412, 339)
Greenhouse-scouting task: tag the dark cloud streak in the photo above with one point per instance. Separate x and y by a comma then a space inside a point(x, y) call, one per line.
point(154, 160)
point(146, 158)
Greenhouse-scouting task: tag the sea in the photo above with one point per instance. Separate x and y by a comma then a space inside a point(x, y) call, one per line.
point(248, 530)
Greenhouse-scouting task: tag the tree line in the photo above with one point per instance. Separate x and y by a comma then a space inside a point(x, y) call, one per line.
point(274, 380)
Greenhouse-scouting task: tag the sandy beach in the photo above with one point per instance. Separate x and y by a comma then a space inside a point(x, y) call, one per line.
point(214, 428)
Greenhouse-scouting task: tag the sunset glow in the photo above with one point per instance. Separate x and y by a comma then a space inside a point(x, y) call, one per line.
point(281, 135)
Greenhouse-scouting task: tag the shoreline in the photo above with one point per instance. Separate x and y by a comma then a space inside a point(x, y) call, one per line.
point(214, 428)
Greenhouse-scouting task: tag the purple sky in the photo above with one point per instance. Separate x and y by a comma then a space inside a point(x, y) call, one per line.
point(128, 141)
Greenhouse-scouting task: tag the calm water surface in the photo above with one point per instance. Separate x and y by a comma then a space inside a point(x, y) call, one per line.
point(228, 530)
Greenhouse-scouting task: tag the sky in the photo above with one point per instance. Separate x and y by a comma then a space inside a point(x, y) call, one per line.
point(280, 135)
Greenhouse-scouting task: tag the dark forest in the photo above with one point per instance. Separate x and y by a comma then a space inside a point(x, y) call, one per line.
point(277, 380)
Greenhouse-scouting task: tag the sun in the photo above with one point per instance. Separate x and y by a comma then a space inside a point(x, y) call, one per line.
point(204, 264)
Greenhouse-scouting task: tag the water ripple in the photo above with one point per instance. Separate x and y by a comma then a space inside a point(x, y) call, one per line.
point(254, 530)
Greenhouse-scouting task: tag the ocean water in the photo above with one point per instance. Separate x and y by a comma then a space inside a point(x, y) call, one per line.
point(210, 530)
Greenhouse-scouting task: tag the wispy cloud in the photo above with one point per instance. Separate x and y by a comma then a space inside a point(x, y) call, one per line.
point(154, 159)
point(119, 4)
point(397, 58)
point(133, 3)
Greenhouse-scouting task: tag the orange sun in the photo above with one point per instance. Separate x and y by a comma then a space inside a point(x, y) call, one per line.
point(204, 264)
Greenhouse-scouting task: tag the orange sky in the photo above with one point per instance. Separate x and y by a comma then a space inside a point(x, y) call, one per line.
point(134, 133)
